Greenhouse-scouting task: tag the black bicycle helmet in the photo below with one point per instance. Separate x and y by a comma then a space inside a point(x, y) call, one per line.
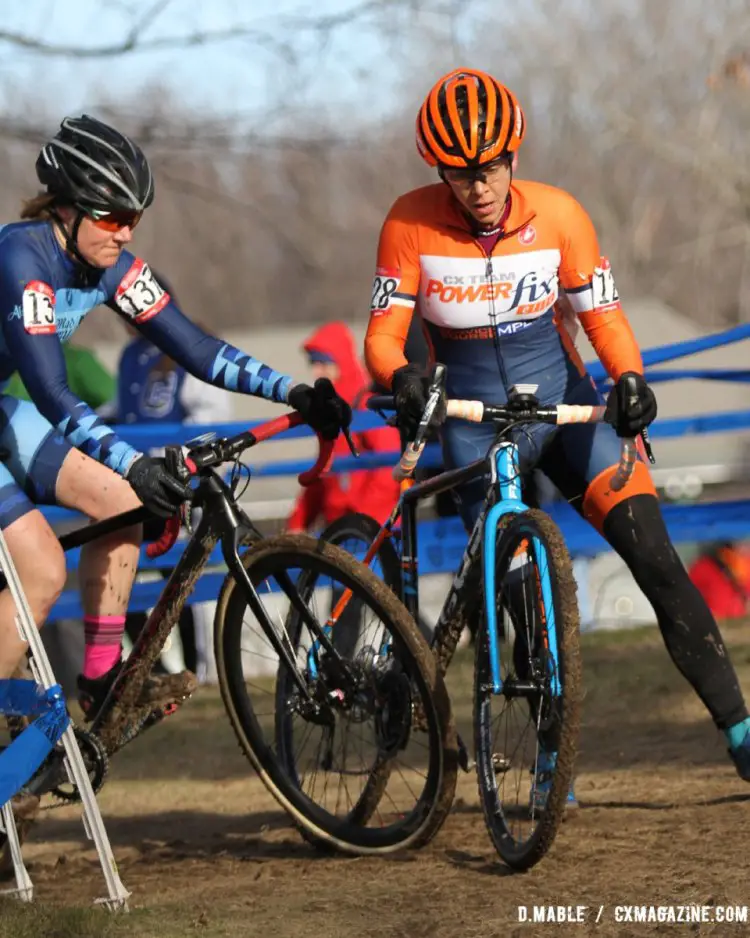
point(94, 167)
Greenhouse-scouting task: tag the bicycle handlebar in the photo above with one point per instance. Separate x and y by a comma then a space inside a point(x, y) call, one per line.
point(279, 425)
point(167, 540)
point(478, 412)
point(212, 453)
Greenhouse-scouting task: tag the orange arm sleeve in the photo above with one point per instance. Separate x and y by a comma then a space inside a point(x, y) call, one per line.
point(394, 296)
point(587, 279)
point(384, 346)
point(613, 340)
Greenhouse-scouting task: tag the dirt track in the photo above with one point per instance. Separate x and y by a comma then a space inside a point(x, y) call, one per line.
point(664, 820)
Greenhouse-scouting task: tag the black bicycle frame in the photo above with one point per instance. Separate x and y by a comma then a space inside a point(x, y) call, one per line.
point(450, 479)
point(222, 521)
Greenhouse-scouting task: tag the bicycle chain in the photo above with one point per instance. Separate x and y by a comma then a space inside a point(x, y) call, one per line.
point(97, 766)
point(95, 756)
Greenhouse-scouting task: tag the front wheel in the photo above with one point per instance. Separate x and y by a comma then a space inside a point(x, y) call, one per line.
point(527, 712)
point(350, 728)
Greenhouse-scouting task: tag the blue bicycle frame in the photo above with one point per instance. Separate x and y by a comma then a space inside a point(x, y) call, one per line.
point(504, 457)
point(503, 497)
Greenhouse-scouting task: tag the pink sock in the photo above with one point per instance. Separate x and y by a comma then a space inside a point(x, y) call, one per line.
point(103, 644)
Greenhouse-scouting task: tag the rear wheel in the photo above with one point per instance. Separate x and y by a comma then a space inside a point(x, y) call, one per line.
point(526, 728)
point(355, 532)
point(330, 725)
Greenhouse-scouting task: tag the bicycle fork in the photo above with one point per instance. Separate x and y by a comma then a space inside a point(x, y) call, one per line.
point(506, 476)
point(340, 673)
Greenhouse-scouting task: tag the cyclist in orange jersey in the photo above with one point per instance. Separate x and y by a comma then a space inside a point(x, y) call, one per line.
point(502, 273)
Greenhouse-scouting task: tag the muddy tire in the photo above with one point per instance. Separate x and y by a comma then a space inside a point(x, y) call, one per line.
point(540, 672)
point(360, 829)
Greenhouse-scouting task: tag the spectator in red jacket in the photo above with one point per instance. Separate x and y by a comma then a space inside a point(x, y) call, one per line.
point(331, 351)
point(722, 576)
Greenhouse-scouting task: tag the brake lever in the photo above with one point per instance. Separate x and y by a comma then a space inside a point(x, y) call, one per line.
point(633, 399)
point(435, 394)
point(181, 466)
point(647, 446)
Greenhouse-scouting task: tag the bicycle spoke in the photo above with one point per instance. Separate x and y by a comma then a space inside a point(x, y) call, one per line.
point(332, 757)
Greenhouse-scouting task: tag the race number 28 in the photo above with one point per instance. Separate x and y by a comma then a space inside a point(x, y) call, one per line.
point(384, 286)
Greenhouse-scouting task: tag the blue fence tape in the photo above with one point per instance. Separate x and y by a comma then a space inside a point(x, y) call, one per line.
point(725, 422)
point(738, 375)
point(667, 353)
point(442, 542)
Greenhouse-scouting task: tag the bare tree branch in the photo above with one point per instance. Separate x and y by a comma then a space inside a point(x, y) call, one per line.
point(149, 16)
point(731, 186)
point(232, 204)
point(213, 136)
point(134, 43)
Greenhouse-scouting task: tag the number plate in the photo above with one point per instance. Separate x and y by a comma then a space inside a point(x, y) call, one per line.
point(39, 308)
point(139, 296)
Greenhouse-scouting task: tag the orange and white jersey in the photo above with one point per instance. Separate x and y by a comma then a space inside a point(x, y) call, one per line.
point(501, 317)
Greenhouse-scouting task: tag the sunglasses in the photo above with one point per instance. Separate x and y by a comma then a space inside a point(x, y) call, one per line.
point(467, 177)
point(115, 221)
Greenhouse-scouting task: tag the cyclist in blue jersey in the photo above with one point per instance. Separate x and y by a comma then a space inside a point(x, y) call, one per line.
point(64, 258)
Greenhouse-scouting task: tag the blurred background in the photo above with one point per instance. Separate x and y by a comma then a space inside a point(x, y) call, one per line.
point(281, 132)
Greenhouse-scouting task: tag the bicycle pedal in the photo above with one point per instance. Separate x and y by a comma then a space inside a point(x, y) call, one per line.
point(160, 713)
point(135, 729)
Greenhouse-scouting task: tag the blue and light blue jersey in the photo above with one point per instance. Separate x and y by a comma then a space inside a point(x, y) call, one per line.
point(44, 297)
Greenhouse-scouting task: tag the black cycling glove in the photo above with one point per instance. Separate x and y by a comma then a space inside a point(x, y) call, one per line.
point(411, 389)
point(159, 491)
point(410, 394)
point(631, 405)
point(321, 407)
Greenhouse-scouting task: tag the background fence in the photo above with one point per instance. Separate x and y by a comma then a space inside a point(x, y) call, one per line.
point(442, 541)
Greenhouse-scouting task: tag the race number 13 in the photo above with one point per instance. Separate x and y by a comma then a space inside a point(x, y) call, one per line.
point(38, 308)
point(139, 295)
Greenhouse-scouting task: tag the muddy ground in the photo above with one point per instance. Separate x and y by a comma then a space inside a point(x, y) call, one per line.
point(664, 820)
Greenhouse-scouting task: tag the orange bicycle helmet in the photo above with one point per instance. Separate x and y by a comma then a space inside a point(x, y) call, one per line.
point(467, 120)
